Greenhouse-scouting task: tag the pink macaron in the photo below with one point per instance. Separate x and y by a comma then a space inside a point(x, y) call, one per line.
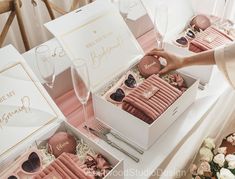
point(148, 66)
point(62, 142)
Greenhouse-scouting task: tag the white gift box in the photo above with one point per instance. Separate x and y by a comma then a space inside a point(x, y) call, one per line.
point(180, 12)
point(115, 173)
point(177, 23)
point(109, 48)
point(28, 114)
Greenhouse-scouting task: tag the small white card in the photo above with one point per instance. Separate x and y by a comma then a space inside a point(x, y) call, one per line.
point(24, 109)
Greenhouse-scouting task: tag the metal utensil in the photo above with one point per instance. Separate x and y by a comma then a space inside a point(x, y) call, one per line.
point(105, 138)
point(201, 85)
point(105, 130)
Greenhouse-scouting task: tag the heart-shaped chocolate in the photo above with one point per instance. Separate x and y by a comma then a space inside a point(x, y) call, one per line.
point(130, 81)
point(118, 95)
point(32, 164)
point(182, 41)
point(149, 65)
point(190, 34)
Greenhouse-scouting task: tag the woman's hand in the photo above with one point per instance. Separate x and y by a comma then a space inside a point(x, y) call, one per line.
point(173, 62)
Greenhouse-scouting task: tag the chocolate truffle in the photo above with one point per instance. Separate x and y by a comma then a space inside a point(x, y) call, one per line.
point(62, 142)
point(201, 22)
point(149, 65)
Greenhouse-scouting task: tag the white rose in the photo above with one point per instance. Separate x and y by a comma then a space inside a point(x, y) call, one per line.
point(231, 165)
point(204, 167)
point(230, 139)
point(193, 169)
point(230, 158)
point(222, 150)
point(209, 143)
point(225, 174)
point(219, 159)
point(233, 138)
point(205, 154)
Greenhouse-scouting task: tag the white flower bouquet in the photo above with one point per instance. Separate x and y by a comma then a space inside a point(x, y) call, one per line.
point(215, 162)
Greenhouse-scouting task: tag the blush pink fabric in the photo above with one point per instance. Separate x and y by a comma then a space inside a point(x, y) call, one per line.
point(149, 109)
point(66, 166)
point(218, 38)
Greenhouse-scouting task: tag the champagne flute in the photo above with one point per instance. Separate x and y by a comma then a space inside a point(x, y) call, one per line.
point(215, 8)
point(225, 23)
point(160, 24)
point(81, 84)
point(45, 64)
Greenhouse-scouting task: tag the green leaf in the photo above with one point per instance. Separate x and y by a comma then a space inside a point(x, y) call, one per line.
point(214, 168)
point(233, 171)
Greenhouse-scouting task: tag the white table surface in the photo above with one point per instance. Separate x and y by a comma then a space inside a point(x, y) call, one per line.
point(167, 144)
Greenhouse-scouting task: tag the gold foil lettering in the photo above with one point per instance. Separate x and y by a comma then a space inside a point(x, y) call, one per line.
point(98, 40)
point(98, 55)
point(7, 96)
point(23, 108)
point(149, 65)
point(61, 146)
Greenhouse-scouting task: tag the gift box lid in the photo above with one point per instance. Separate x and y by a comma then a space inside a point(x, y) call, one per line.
point(98, 34)
point(25, 107)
